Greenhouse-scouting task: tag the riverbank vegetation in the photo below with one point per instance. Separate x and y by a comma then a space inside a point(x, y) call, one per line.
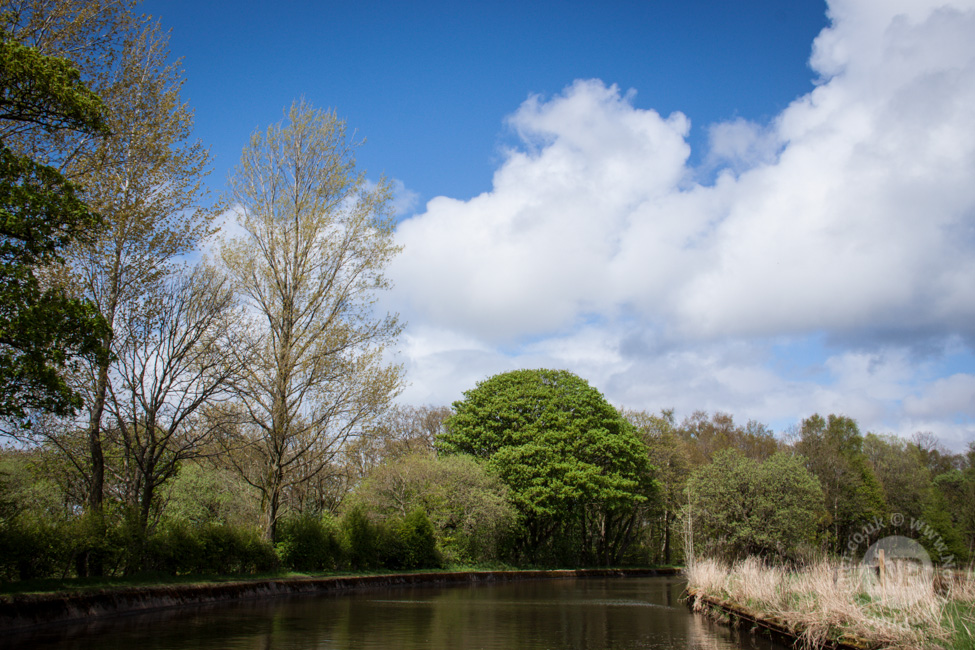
point(826, 602)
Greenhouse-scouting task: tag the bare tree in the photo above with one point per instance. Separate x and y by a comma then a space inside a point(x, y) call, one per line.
point(317, 238)
point(173, 362)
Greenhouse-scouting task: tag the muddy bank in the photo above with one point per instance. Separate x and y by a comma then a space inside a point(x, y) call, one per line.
point(25, 611)
point(778, 630)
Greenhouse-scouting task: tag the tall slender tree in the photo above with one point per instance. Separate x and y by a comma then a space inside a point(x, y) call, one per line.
point(316, 241)
point(146, 180)
point(143, 178)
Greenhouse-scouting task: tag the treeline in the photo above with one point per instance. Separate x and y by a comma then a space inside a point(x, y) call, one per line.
point(386, 501)
point(822, 488)
point(532, 468)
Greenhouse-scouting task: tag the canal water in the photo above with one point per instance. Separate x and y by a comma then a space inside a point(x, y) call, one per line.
point(558, 614)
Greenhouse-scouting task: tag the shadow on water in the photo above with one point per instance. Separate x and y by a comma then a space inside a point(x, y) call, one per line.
point(563, 614)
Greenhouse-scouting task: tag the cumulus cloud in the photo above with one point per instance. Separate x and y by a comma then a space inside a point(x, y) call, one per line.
point(851, 213)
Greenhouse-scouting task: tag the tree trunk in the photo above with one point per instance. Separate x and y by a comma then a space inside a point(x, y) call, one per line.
point(666, 536)
point(92, 560)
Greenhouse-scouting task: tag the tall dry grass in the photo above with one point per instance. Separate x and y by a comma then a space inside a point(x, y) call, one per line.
point(830, 601)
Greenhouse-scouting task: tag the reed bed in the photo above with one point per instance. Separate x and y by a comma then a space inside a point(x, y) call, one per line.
point(828, 602)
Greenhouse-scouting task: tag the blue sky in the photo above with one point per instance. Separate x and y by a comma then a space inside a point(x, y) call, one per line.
point(429, 84)
point(760, 207)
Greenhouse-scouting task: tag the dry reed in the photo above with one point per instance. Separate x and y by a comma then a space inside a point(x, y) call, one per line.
point(829, 601)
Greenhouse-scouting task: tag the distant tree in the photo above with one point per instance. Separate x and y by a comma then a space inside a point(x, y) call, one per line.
point(921, 490)
point(465, 502)
point(833, 449)
point(44, 330)
point(958, 489)
point(740, 507)
point(578, 473)
point(315, 245)
point(705, 436)
point(669, 455)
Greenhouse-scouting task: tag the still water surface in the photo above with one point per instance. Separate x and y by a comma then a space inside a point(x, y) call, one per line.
point(562, 614)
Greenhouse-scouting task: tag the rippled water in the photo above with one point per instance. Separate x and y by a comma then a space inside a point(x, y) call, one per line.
point(562, 614)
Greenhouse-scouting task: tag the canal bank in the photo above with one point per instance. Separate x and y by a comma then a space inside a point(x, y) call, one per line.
point(777, 629)
point(25, 611)
point(832, 605)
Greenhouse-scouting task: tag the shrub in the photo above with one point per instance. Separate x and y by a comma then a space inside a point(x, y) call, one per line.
point(210, 549)
point(32, 549)
point(360, 539)
point(411, 542)
point(308, 543)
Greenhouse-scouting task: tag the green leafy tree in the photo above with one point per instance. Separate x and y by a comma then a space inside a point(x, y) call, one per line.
point(958, 489)
point(577, 471)
point(466, 503)
point(740, 507)
point(833, 448)
point(920, 490)
point(43, 329)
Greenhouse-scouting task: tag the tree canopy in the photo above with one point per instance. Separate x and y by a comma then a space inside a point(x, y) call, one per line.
point(739, 506)
point(42, 329)
point(579, 475)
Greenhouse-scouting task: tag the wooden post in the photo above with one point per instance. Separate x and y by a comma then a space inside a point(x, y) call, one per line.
point(882, 569)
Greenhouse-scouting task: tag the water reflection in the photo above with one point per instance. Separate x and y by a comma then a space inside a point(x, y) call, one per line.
point(564, 614)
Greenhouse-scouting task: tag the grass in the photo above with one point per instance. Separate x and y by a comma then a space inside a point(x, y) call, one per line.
point(829, 602)
point(146, 580)
point(82, 585)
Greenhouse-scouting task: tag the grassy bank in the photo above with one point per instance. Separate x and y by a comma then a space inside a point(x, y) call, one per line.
point(55, 586)
point(826, 603)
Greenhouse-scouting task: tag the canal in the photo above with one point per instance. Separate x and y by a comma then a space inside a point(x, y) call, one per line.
point(558, 614)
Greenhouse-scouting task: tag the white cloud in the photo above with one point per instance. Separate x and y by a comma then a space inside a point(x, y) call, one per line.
point(852, 213)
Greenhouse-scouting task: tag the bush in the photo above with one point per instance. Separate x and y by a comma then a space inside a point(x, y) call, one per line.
point(210, 549)
point(410, 542)
point(308, 543)
point(32, 549)
point(360, 539)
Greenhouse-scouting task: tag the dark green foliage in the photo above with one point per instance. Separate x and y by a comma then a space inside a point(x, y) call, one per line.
point(32, 548)
point(740, 507)
point(409, 543)
point(360, 539)
point(308, 543)
point(42, 330)
point(210, 549)
point(833, 448)
point(576, 469)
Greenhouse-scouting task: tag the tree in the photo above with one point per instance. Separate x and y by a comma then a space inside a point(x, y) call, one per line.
point(317, 239)
point(669, 455)
point(172, 364)
point(741, 507)
point(578, 473)
point(833, 448)
point(466, 503)
point(146, 179)
point(89, 34)
point(915, 490)
point(43, 330)
point(706, 436)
